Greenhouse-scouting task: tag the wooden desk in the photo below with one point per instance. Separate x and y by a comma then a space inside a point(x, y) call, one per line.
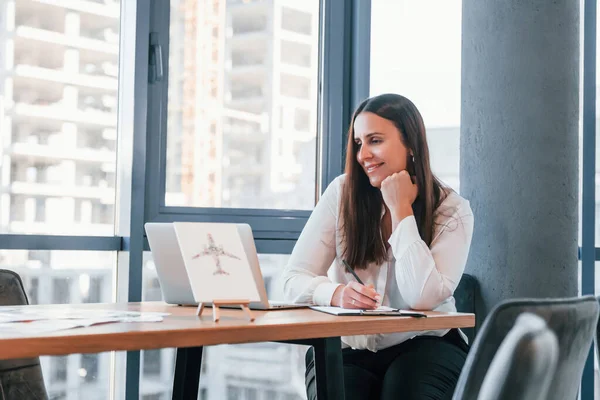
point(188, 333)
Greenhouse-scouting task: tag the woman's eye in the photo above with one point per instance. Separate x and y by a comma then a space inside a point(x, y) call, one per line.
point(375, 141)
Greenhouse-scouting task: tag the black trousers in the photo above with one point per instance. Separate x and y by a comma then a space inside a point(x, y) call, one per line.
point(425, 367)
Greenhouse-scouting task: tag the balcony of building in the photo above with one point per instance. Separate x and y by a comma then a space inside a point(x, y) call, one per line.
point(247, 18)
point(297, 21)
point(243, 6)
point(295, 123)
point(245, 127)
point(104, 194)
point(251, 99)
point(252, 63)
point(241, 166)
point(298, 59)
point(64, 179)
point(38, 214)
point(27, 33)
point(42, 75)
point(55, 152)
point(102, 8)
point(67, 229)
point(90, 116)
point(60, 23)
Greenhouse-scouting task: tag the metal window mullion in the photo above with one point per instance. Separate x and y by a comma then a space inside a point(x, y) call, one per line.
point(134, 111)
point(588, 250)
point(59, 242)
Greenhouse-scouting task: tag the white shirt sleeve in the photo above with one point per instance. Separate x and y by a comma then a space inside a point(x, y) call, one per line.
point(427, 276)
point(305, 276)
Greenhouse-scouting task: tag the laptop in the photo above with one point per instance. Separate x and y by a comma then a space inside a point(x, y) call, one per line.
point(172, 274)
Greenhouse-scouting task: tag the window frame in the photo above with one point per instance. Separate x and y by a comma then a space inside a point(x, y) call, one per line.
point(588, 252)
point(334, 91)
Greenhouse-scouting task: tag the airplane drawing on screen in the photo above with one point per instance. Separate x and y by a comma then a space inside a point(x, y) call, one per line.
point(215, 252)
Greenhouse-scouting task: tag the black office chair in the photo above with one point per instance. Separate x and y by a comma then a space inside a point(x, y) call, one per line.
point(465, 297)
point(524, 364)
point(21, 378)
point(573, 321)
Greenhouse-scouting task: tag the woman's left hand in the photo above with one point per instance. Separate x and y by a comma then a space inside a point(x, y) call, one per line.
point(399, 193)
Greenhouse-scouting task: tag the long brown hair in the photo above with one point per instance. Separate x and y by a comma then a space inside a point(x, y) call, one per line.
point(362, 204)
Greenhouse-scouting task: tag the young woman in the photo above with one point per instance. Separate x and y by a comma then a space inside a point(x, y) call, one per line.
point(406, 236)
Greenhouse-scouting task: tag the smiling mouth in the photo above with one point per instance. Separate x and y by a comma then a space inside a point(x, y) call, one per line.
point(373, 168)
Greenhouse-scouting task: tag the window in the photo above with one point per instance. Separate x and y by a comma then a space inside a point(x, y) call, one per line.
point(92, 288)
point(152, 362)
point(59, 369)
point(295, 86)
point(61, 291)
point(89, 367)
point(295, 53)
point(233, 393)
point(58, 117)
point(219, 149)
point(296, 21)
point(430, 78)
point(302, 120)
point(32, 294)
point(250, 393)
point(153, 397)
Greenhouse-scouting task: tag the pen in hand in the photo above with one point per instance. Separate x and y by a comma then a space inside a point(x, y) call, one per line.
point(347, 267)
point(351, 270)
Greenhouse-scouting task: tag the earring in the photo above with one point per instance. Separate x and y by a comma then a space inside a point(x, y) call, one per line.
point(413, 158)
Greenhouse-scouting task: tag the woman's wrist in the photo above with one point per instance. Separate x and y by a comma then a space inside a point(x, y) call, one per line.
point(336, 299)
point(400, 213)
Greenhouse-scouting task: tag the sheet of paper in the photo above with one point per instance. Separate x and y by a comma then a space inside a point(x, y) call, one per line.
point(16, 321)
point(338, 310)
point(16, 314)
point(215, 261)
point(353, 311)
point(35, 327)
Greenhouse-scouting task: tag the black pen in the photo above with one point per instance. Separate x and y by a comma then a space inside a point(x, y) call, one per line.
point(352, 272)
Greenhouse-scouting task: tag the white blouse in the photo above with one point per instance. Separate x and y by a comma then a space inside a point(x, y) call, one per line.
point(414, 276)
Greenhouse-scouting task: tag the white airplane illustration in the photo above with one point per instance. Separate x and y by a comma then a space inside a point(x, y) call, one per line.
point(215, 252)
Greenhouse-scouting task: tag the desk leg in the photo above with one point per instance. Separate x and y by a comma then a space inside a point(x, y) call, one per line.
point(329, 368)
point(187, 373)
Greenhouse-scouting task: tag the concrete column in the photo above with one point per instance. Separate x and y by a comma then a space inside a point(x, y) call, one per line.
point(519, 145)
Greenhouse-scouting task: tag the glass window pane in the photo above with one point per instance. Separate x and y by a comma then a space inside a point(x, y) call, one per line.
point(242, 112)
point(241, 369)
point(68, 277)
point(429, 77)
point(58, 116)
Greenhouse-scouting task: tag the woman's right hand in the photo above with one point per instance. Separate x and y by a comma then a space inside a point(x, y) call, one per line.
point(355, 295)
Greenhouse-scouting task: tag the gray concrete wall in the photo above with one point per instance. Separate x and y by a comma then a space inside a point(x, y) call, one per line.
point(519, 145)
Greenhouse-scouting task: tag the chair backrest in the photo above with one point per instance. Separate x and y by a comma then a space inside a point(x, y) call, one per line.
point(524, 364)
point(21, 378)
point(573, 321)
point(465, 296)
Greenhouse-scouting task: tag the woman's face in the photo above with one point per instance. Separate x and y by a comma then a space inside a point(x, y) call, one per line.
point(380, 151)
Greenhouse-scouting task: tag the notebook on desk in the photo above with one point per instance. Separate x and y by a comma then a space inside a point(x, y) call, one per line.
point(380, 311)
